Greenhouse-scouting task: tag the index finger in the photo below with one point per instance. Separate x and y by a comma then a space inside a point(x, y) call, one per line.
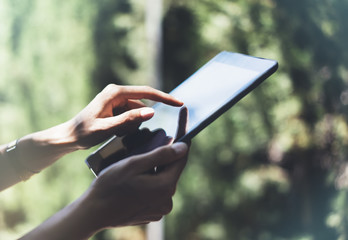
point(143, 92)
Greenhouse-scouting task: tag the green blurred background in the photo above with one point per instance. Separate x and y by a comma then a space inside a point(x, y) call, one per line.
point(273, 167)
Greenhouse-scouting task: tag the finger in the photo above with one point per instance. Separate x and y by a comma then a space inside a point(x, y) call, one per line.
point(182, 123)
point(127, 120)
point(172, 172)
point(122, 93)
point(164, 181)
point(158, 157)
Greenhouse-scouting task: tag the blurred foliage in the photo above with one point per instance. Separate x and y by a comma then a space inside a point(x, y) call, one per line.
point(273, 167)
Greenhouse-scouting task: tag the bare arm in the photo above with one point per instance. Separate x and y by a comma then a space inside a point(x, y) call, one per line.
point(126, 193)
point(33, 153)
point(115, 110)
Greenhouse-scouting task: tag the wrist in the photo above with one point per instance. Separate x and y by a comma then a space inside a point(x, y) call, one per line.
point(40, 149)
point(84, 222)
point(90, 213)
point(22, 173)
point(62, 136)
point(75, 221)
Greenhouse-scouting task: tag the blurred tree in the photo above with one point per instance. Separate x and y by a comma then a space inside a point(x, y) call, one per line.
point(44, 76)
point(110, 42)
point(181, 45)
point(273, 167)
point(257, 138)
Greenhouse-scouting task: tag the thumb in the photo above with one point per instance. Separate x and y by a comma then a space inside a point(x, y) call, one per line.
point(122, 122)
point(159, 157)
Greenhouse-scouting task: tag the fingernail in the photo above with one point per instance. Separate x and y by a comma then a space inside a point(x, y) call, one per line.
point(179, 148)
point(147, 112)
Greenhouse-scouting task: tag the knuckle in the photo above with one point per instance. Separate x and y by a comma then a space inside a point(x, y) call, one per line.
point(131, 115)
point(120, 121)
point(112, 89)
point(159, 155)
point(167, 207)
point(167, 152)
point(146, 88)
point(167, 189)
point(172, 190)
point(131, 163)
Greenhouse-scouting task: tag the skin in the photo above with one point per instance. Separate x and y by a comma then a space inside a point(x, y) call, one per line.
point(126, 193)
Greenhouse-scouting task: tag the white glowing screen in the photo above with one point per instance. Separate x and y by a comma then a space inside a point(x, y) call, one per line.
point(203, 94)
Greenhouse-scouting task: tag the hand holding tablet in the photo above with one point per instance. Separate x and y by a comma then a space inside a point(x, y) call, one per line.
point(207, 94)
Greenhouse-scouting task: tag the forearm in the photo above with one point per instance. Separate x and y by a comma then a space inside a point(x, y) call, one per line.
point(39, 150)
point(72, 222)
point(35, 152)
point(124, 194)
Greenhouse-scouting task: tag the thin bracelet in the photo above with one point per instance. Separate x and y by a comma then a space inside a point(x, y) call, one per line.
point(22, 173)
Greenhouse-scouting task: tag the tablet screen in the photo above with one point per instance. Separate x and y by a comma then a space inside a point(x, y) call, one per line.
point(205, 92)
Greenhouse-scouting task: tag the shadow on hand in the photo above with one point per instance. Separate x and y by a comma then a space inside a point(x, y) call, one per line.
point(144, 140)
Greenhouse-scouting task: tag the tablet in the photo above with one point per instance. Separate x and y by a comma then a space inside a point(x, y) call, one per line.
point(207, 94)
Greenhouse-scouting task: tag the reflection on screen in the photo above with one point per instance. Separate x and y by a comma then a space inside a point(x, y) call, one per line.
point(203, 94)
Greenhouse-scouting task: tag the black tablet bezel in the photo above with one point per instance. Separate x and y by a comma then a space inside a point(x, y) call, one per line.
point(266, 67)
